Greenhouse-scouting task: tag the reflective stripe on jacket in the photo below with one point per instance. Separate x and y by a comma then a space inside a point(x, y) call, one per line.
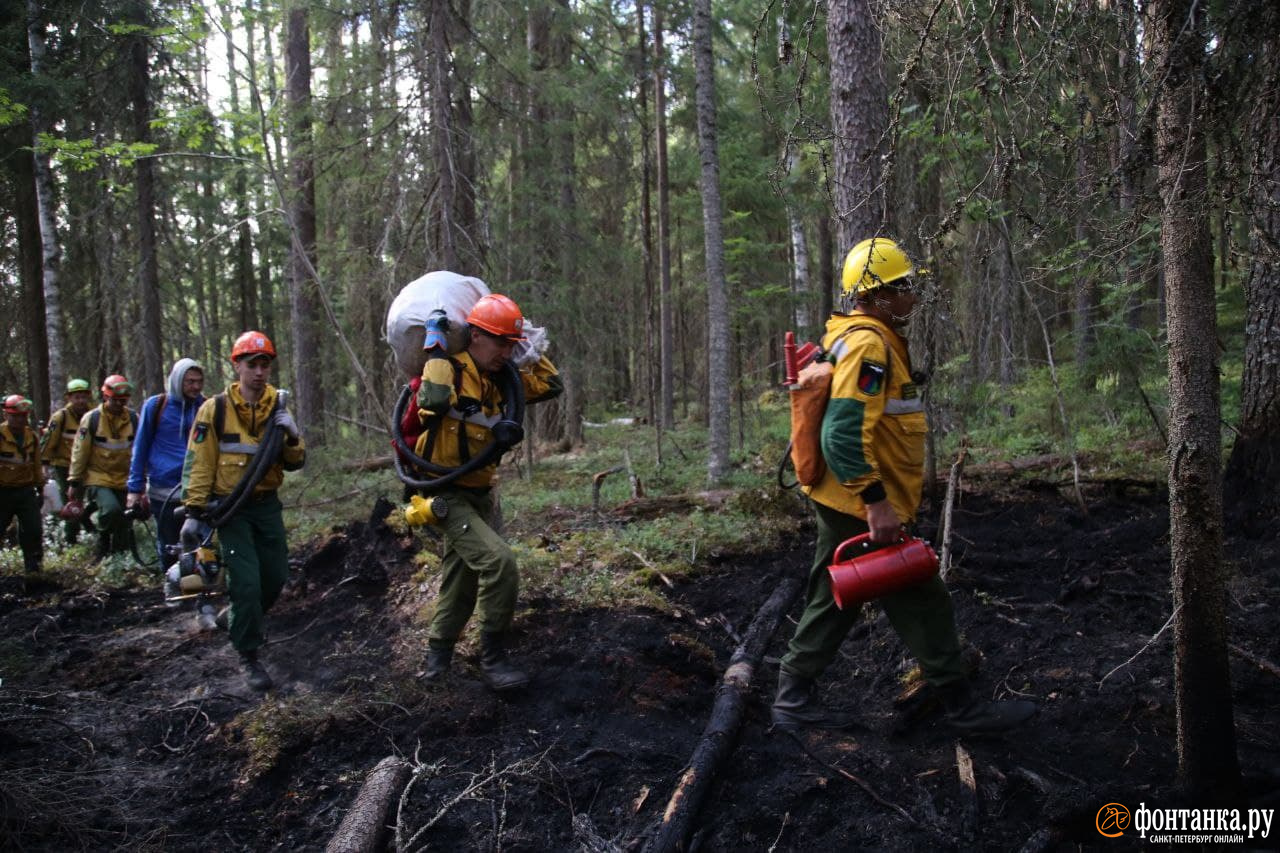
point(102, 459)
point(59, 438)
point(19, 465)
point(874, 428)
point(215, 463)
point(455, 395)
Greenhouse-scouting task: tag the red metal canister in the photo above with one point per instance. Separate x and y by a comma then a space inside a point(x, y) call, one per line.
point(877, 573)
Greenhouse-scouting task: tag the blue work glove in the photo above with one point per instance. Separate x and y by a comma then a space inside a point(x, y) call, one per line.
point(285, 421)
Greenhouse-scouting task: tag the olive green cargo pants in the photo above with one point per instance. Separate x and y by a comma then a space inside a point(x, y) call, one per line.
point(255, 557)
point(921, 614)
point(479, 569)
point(24, 502)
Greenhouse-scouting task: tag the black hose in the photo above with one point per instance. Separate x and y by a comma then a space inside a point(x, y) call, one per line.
point(511, 390)
point(782, 468)
point(269, 448)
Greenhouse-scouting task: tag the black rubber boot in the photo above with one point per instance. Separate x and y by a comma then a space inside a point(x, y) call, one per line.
point(968, 714)
point(255, 674)
point(439, 659)
point(796, 707)
point(497, 671)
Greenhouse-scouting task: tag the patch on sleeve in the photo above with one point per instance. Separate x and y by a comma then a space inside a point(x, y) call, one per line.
point(871, 377)
point(202, 430)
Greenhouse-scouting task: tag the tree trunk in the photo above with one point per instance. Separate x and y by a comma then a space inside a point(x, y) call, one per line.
point(1206, 741)
point(666, 309)
point(826, 269)
point(718, 380)
point(442, 239)
point(1253, 472)
point(153, 373)
point(652, 355)
point(51, 247)
point(859, 119)
point(27, 219)
point(246, 286)
point(799, 259)
point(303, 296)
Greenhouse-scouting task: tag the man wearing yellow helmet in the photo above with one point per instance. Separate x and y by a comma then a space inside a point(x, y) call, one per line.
point(100, 463)
point(873, 435)
point(59, 436)
point(20, 479)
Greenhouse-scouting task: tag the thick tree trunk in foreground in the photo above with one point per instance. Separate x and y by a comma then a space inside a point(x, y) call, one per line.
point(1202, 684)
point(153, 373)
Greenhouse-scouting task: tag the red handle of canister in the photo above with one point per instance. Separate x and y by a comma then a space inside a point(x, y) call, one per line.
point(863, 538)
point(789, 358)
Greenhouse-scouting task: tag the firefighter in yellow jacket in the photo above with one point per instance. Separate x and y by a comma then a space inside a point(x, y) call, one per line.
point(100, 463)
point(224, 440)
point(460, 405)
point(20, 479)
point(873, 441)
point(60, 437)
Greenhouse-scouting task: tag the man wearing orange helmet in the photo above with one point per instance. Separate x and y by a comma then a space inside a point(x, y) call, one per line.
point(228, 432)
point(20, 479)
point(460, 403)
point(58, 439)
point(100, 463)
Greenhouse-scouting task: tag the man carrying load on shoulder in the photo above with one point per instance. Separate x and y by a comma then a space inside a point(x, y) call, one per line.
point(873, 435)
point(460, 403)
point(230, 430)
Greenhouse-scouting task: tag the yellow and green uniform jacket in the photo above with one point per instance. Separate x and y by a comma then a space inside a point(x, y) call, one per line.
point(19, 463)
point(102, 459)
point(455, 395)
point(216, 461)
point(59, 436)
point(874, 429)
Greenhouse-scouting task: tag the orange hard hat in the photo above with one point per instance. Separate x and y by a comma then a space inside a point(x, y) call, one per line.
point(498, 315)
point(250, 344)
point(116, 385)
point(16, 404)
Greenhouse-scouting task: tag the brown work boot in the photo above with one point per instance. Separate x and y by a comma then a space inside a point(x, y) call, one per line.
point(797, 707)
point(495, 668)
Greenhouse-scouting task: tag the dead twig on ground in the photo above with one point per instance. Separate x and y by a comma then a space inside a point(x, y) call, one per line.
point(295, 635)
point(968, 791)
point(1138, 653)
point(1261, 663)
point(857, 780)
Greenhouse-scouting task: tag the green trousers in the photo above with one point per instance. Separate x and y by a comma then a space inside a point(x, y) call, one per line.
point(479, 568)
point(71, 526)
point(921, 614)
point(24, 503)
point(115, 532)
point(255, 557)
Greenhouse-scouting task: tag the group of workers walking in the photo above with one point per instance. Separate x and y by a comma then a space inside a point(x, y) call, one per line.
point(186, 446)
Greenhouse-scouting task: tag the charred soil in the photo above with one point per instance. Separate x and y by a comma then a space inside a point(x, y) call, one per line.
point(124, 726)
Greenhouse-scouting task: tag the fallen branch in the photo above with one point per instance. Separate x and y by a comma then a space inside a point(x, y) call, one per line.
point(857, 780)
point(364, 827)
point(597, 480)
point(1150, 642)
point(969, 792)
point(1261, 663)
point(676, 825)
point(376, 463)
point(953, 484)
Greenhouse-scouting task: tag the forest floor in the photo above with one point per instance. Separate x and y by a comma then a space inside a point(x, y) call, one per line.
point(124, 726)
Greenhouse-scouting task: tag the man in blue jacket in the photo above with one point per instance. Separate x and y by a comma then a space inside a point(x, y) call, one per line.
point(159, 449)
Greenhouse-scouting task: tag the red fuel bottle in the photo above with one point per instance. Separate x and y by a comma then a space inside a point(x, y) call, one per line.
point(877, 573)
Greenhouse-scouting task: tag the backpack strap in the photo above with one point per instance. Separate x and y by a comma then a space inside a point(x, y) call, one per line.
point(157, 411)
point(219, 415)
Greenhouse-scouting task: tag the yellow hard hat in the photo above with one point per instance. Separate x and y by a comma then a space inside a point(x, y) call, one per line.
point(873, 263)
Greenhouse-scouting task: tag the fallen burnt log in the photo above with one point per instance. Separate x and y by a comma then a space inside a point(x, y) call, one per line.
point(673, 830)
point(364, 828)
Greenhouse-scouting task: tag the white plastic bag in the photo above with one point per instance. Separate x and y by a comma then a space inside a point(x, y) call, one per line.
point(52, 498)
point(406, 318)
point(530, 350)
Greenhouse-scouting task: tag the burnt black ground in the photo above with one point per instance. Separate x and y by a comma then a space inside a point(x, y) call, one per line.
point(125, 728)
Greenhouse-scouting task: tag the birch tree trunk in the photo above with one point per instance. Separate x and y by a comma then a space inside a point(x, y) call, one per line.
point(51, 246)
point(718, 396)
point(859, 120)
point(1206, 740)
point(799, 258)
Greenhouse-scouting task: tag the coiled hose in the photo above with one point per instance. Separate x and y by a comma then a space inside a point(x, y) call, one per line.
point(268, 452)
point(507, 433)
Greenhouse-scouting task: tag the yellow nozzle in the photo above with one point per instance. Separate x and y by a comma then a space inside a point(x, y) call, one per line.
point(423, 511)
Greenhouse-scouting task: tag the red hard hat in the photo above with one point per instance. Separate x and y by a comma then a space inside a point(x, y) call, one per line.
point(498, 315)
point(250, 344)
point(116, 385)
point(16, 404)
